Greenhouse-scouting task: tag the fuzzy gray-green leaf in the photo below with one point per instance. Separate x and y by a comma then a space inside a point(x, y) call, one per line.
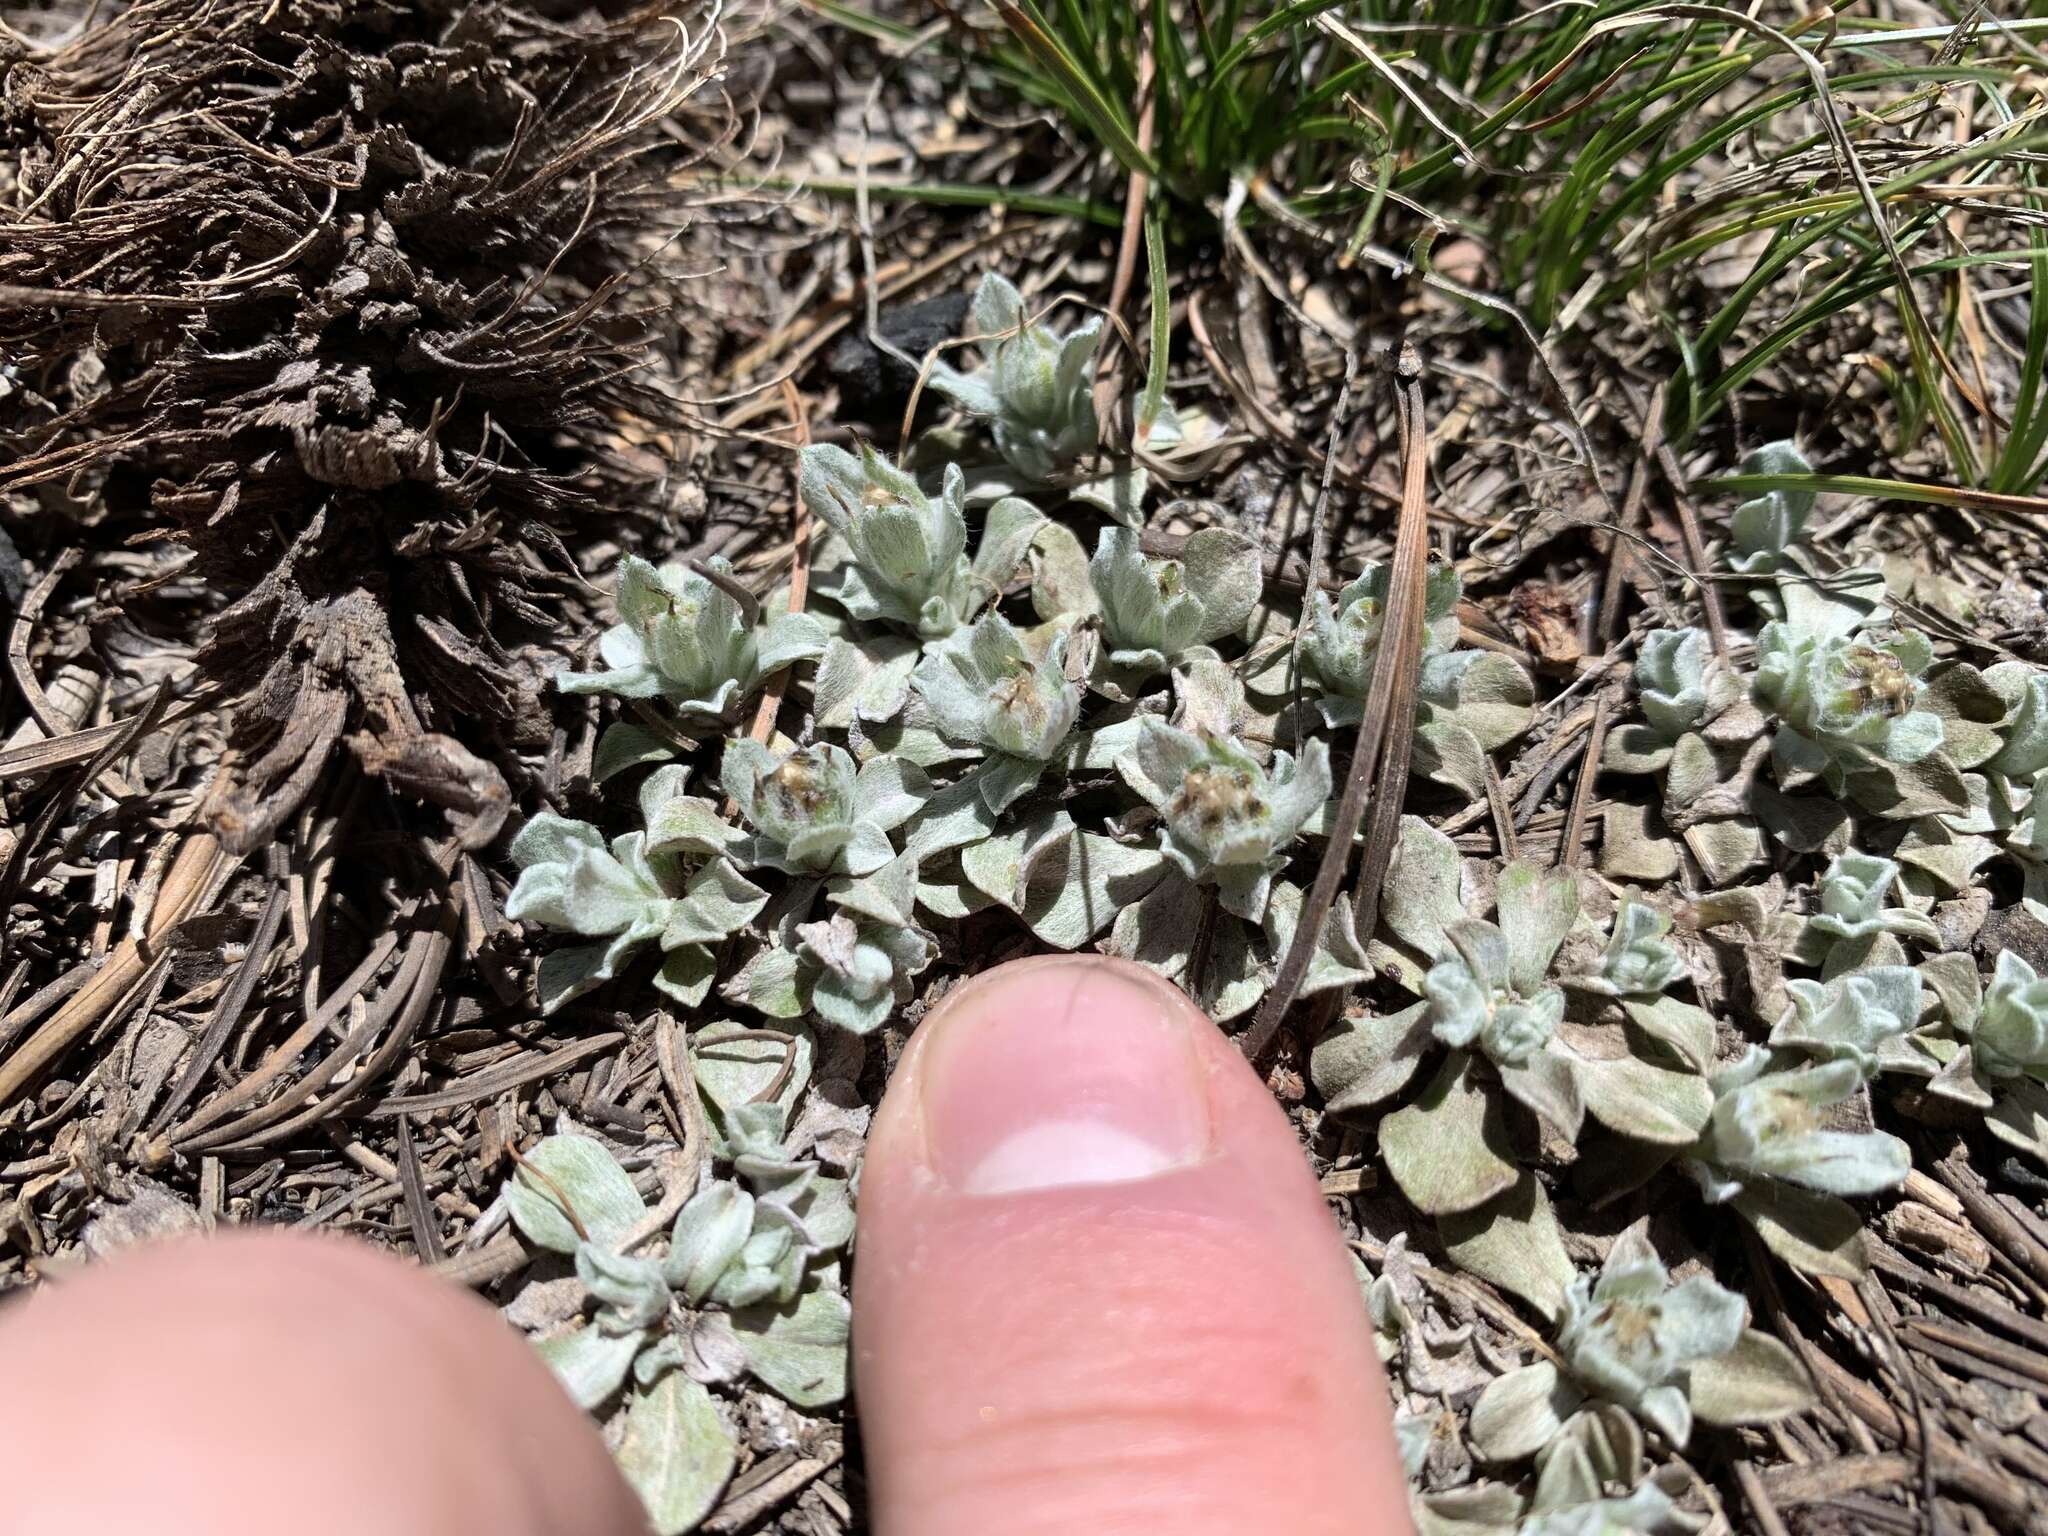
point(580, 1171)
point(676, 1452)
point(1449, 1150)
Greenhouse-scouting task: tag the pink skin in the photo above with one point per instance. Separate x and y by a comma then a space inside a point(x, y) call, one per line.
point(1097, 1291)
point(1163, 1335)
point(262, 1383)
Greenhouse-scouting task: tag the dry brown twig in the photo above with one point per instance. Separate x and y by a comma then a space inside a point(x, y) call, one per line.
point(1385, 737)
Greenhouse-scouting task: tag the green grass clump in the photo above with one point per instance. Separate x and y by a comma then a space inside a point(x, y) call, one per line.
point(1747, 188)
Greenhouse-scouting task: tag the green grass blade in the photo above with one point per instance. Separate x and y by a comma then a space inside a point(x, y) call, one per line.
point(1024, 19)
point(1153, 401)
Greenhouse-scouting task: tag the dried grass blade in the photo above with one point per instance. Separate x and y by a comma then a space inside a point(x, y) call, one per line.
point(419, 1210)
point(234, 1000)
point(1386, 736)
point(1397, 683)
point(192, 877)
point(488, 1084)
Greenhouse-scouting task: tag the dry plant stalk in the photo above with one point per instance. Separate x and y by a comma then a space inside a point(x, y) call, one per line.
point(195, 873)
point(1386, 736)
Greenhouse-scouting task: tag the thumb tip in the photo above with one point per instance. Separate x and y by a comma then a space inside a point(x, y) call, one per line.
point(1095, 1273)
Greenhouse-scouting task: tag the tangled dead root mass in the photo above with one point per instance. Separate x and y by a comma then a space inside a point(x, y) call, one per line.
point(363, 291)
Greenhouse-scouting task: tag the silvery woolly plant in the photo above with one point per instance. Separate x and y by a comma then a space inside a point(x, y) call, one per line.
point(1470, 702)
point(1226, 818)
point(1965, 798)
point(1340, 637)
point(1846, 699)
point(1639, 960)
point(748, 1285)
point(2016, 755)
point(643, 887)
point(1037, 388)
point(906, 551)
point(813, 812)
point(1152, 612)
point(990, 691)
point(1564, 1503)
point(1493, 1002)
point(1866, 1017)
point(2028, 844)
point(1663, 1353)
point(1704, 742)
point(851, 967)
point(1680, 688)
point(1855, 927)
point(1993, 1046)
point(1764, 530)
point(1777, 1150)
point(685, 638)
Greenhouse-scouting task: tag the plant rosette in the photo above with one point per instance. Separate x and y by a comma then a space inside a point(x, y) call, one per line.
point(1992, 1046)
point(748, 1286)
point(1471, 703)
point(906, 562)
point(665, 884)
point(1663, 1353)
point(685, 637)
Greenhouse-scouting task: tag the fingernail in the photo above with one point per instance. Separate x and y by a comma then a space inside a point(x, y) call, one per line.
point(1067, 1072)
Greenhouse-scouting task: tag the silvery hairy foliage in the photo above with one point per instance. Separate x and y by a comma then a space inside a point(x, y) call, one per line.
point(747, 1286)
point(2015, 757)
point(1635, 1350)
point(1474, 1002)
point(1768, 1123)
point(1663, 1353)
point(637, 890)
point(1776, 1149)
point(1863, 1017)
point(907, 551)
point(814, 812)
point(1490, 1000)
point(1993, 1046)
point(1762, 530)
point(1470, 702)
point(1647, 1510)
point(851, 967)
point(1680, 688)
point(1340, 637)
point(2028, 844)
point(1568, 1501)
point(1155, 611)
point(684, 638)
point(1704, 742)
point(1037, 387)
point(2011, 1033)
point(1855, 917)
point(1639, 960)
point(1145, 615)
point(1968, 796)
point(1846, 697)
point(1225, 817)
point(989, 690)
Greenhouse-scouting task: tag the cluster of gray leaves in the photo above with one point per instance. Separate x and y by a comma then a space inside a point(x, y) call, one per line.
point(729, 1277)
point(1095, 743)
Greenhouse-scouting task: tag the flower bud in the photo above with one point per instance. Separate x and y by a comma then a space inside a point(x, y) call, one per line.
point(1225, 815)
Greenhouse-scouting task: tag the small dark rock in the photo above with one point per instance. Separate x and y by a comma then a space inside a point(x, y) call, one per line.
point(2015, 929)
point(873, 386)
